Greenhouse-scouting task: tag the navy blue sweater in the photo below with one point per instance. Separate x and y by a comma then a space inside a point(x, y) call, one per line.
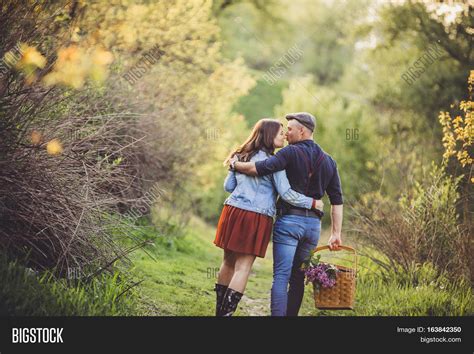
point(310, 170)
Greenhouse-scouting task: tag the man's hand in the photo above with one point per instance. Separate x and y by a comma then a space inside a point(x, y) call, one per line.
point(334, 242)
point(233, 160)
point(247, 168)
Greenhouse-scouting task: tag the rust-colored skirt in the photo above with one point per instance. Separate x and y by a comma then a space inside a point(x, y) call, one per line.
point(243, 231)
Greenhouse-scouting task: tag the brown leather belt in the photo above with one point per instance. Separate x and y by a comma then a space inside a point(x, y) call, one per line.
point(306, 212)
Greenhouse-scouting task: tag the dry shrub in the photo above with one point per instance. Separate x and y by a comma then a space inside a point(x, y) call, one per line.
point(54, 207)
point(118, 140)
point(422, 227)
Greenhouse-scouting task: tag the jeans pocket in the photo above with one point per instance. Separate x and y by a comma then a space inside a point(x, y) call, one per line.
point(287, 231)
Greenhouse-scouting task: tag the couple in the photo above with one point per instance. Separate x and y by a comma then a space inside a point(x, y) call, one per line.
point(300, 173)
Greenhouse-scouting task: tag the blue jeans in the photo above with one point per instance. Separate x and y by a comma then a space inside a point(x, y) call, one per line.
point(294, 237)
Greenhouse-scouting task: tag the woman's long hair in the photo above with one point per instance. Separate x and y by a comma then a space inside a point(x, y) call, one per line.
point(261, 138)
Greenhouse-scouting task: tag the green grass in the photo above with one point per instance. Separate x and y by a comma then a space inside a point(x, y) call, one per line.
point(179, 282)
point(178, 272)
point(393, 295)
point(180, 278)
point(25, 293)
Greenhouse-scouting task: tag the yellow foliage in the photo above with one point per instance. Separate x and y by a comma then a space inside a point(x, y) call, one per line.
point(28, 61)
point(181, 28)
point(75, 64)
point(54, 147)
point(458, 133)
point(36, 137)
point(102, 57)
point(30, 58)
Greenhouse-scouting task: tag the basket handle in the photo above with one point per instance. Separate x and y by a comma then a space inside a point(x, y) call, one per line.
point(341, 247)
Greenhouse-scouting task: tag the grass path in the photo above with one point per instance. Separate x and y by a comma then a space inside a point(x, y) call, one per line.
point(180, 280)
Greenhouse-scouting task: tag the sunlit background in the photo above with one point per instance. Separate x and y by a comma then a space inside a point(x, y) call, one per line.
point(116, 117)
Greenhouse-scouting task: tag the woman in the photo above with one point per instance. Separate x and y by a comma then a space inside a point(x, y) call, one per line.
point(246, 221)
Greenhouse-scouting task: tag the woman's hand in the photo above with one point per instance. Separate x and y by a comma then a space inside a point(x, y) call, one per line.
point(318, 204)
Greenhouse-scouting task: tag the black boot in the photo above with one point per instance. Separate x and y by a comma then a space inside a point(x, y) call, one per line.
point(220, 292)
point(230, 302)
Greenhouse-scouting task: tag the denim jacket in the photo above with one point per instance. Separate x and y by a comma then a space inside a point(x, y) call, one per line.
point(259, 194)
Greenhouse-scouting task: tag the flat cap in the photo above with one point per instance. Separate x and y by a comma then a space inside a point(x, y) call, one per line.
point(305, 118)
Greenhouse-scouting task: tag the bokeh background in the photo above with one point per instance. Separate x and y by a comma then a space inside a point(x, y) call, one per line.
point(116, 116)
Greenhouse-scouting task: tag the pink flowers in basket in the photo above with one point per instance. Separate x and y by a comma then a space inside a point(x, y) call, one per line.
point(319, 273)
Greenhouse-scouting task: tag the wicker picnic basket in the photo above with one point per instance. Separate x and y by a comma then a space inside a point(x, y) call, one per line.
point(341, 296)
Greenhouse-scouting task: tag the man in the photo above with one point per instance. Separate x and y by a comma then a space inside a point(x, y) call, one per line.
point(296, 231)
